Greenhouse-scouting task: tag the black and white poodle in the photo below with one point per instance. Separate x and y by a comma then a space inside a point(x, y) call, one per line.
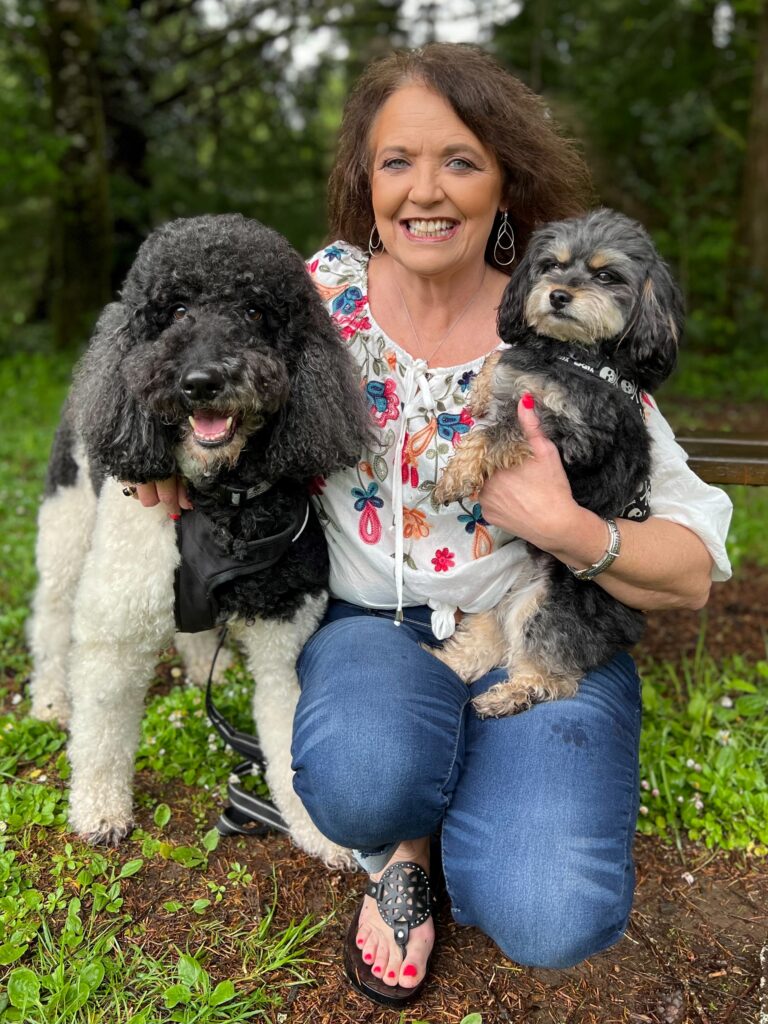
point(219, 364)
point(592, 318)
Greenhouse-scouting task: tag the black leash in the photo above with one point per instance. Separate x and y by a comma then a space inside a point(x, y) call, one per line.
point(246, 814)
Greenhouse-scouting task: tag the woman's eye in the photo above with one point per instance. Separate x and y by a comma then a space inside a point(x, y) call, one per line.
point(179, 312)
point(252, 314)
point(395, 163)
point(463, 165)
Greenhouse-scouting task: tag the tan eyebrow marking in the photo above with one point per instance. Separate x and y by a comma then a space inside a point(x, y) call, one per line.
point(604, 257)
point(562, 255)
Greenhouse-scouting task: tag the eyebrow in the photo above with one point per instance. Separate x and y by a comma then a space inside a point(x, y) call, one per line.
point(459, 147)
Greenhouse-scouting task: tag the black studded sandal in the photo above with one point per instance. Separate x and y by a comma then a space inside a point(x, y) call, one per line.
point(404, 898)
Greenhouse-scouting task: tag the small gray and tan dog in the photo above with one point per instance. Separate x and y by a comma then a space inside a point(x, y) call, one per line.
point(593, 318)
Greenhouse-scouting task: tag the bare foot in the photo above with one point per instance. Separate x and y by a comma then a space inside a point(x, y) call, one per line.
point(376, 940)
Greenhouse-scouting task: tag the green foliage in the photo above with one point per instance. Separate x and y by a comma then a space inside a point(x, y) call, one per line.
point(703, 764)
point(748, 535)
point(33, 389)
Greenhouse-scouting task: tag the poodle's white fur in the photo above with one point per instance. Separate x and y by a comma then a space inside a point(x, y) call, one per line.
point(102, 612)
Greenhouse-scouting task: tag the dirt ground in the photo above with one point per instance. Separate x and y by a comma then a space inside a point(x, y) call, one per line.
point(690, 956)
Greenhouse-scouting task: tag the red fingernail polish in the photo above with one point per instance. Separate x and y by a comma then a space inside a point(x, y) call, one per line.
point(391, 974)
point(174, 516)
point(377, 970)
point(368, 957)
point(528, 400)
point(410, 971)
point(361, 942)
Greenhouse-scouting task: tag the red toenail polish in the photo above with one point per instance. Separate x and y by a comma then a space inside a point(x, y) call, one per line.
point(410, 971)
point(377, 970)
point(391, 974)
point(368, 957)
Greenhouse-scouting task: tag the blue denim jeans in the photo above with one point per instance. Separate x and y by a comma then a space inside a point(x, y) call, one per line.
point(537, 811)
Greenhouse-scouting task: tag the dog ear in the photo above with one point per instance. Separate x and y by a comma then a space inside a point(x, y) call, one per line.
point(122, 437)
point(511, 316)
point(324, 424)
point(655, 327)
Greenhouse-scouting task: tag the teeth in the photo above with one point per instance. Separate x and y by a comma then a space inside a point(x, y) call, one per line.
point(430, 228)
point(191, 421)
point(229, 421)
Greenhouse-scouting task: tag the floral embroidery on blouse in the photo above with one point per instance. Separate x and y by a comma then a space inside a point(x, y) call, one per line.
point(443, 560)
point(416, 433)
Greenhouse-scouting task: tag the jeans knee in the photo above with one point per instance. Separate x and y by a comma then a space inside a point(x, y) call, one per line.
point(555, 929)
point(368, 805)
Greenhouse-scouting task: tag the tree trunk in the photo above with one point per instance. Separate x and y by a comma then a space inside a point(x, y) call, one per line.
point(753, 221)
point(81, 232)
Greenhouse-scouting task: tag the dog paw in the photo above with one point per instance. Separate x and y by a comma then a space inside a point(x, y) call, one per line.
point(339, 859)
point(452, 487)
point(107, 835)
point(501, 700)
point(51, 711)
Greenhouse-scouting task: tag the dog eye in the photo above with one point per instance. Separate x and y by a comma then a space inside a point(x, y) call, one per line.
point(549, 265)
point(179, 312)
point(252, 314)
point(606, 277)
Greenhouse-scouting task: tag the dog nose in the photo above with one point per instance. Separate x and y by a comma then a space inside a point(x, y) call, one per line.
point(559, 298)
point(201, 385)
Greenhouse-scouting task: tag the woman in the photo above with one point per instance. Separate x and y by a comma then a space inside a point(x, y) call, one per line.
point(445, 165)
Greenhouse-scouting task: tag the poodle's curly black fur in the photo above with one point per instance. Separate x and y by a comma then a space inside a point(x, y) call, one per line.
point(219, 314)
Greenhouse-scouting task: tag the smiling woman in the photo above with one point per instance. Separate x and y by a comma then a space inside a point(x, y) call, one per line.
point(445, 165)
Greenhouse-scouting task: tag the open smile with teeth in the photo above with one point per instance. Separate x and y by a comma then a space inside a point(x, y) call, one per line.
point(211, 430)
point(432, 228)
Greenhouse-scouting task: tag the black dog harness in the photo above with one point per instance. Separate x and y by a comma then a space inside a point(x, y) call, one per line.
point(204, 567)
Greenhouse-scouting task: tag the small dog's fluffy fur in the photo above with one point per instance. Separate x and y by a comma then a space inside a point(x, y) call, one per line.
point(218, 364)
point(595, 290)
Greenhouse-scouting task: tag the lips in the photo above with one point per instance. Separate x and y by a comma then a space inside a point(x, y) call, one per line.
point(212, 430)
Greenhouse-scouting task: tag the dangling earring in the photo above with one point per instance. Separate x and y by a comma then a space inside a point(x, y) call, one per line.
point(505, 241)
point(378, 245)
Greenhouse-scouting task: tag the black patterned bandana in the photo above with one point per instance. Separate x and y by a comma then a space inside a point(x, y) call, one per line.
point(639, 507)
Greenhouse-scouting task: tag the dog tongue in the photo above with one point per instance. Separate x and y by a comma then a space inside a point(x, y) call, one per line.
point(210, 426)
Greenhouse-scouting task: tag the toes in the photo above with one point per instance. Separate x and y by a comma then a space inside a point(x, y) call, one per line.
point(415, 964)
point(391, 972)
point(370, 949)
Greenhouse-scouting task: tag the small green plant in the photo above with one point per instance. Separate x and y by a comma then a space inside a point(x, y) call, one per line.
point(703, 764)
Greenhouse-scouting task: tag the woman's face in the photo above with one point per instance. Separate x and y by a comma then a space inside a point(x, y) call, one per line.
point(435, 188)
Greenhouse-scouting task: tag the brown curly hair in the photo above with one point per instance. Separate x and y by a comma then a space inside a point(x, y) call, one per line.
point(544, 177)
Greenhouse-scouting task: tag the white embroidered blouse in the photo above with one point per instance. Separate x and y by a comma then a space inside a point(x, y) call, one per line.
point(391, 545)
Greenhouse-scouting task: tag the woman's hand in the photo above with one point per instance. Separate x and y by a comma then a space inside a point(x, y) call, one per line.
point(661, 564)
point(533, 500)
point(172, 493)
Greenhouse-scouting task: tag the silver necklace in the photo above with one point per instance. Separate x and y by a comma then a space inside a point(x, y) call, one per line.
point(428, 358)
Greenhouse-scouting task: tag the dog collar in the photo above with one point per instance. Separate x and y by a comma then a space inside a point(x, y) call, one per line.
point(238, 495)
point(607, 372)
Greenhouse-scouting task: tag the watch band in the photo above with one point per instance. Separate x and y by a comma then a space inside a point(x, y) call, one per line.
point(610, 556)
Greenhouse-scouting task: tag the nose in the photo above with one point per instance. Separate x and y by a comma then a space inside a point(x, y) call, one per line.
point(425, 185)
point(201, 384)
point(559, 298)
